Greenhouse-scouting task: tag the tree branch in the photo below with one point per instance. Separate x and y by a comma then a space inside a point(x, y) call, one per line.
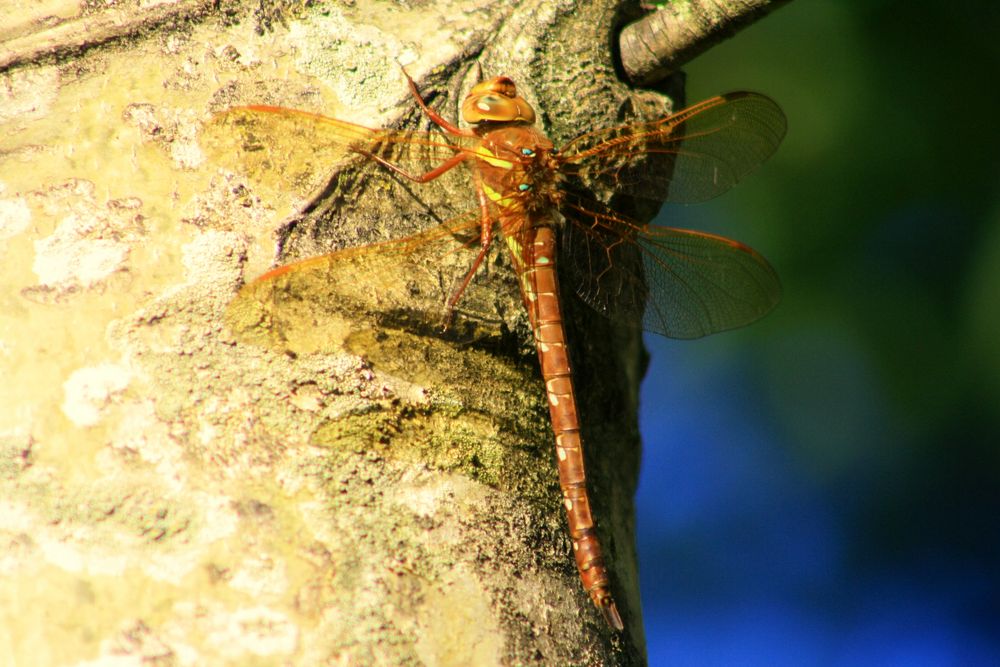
point(678, 31)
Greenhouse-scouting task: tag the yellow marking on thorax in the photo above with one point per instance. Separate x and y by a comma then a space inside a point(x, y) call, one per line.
point(496, 197)
point(486, 156)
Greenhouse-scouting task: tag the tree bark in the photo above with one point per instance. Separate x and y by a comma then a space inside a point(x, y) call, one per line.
point(677, 32)
point(175, 495)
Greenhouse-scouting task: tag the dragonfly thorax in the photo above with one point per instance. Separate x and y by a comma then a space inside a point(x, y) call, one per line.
point(517, 168)
point(515, 159)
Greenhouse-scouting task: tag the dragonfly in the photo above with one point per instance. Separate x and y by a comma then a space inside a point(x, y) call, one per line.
point(539, 203)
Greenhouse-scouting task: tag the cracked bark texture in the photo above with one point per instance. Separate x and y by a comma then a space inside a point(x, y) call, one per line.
point(173, 495)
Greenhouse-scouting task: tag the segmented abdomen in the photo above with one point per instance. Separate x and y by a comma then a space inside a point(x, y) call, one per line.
point(534, 252)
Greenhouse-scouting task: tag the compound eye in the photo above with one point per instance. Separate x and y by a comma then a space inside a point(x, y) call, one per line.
point(487, 103)
point(527, 152)
point(523, 187)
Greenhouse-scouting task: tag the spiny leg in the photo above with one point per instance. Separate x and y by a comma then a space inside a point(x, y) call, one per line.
point(438, 119)
point(426, 177)
point(485, 241)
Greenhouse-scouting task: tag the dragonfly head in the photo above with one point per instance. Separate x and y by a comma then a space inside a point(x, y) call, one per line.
point(496, 101)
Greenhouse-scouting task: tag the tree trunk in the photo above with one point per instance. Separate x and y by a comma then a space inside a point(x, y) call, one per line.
point(174, 494)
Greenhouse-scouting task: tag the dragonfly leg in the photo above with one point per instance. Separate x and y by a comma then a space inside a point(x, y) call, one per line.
point(485, 241)
point(450, 163)
point(438, 119)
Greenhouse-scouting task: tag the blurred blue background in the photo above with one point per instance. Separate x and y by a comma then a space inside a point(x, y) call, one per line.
point(823, 487)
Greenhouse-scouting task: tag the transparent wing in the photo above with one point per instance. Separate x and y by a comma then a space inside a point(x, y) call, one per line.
point(683, 284)
point(292, 150)
point(690, 156)
point(317, 304)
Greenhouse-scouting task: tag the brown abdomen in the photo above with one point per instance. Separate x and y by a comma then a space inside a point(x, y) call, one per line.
point(540, 292)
